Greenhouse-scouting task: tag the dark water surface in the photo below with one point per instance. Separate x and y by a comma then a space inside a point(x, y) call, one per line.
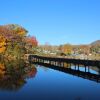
point(36, 82)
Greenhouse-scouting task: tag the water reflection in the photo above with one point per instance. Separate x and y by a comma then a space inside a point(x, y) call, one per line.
point(13, 74)
point(87, 72)
point(50, 83)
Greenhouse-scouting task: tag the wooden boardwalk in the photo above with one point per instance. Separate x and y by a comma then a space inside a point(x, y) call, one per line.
point(61, 61)
point(64, 65)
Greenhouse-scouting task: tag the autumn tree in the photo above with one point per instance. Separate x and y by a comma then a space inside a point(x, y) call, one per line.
point(31, 44)
point(13, 40)
point(2, 44)
point(66, 49)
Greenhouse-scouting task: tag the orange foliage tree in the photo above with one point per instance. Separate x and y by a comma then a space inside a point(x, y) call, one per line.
point(31, 44)
point(13, 39)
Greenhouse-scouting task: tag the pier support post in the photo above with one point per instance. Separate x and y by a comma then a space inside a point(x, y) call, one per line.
point(85, 68)
point(78, 67)
point(75, 66)
point(88, 69)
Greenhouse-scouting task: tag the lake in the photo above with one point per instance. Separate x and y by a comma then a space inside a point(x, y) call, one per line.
point(23, 81)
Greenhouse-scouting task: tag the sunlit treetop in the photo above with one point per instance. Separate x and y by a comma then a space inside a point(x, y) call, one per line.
point(16, 28)
point(10, 33)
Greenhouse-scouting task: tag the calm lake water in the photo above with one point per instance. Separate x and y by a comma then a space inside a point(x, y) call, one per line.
point(22, 81)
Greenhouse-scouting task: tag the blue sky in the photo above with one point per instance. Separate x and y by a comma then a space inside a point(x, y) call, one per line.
point(55, 21)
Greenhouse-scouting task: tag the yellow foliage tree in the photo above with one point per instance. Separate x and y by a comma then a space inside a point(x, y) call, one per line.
point(2, 44)
point(67, 48)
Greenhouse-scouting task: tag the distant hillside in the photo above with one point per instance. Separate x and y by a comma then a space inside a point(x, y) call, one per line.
point(95, 43)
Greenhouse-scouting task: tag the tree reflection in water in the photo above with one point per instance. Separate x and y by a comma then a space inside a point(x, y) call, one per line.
point(13, 74)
